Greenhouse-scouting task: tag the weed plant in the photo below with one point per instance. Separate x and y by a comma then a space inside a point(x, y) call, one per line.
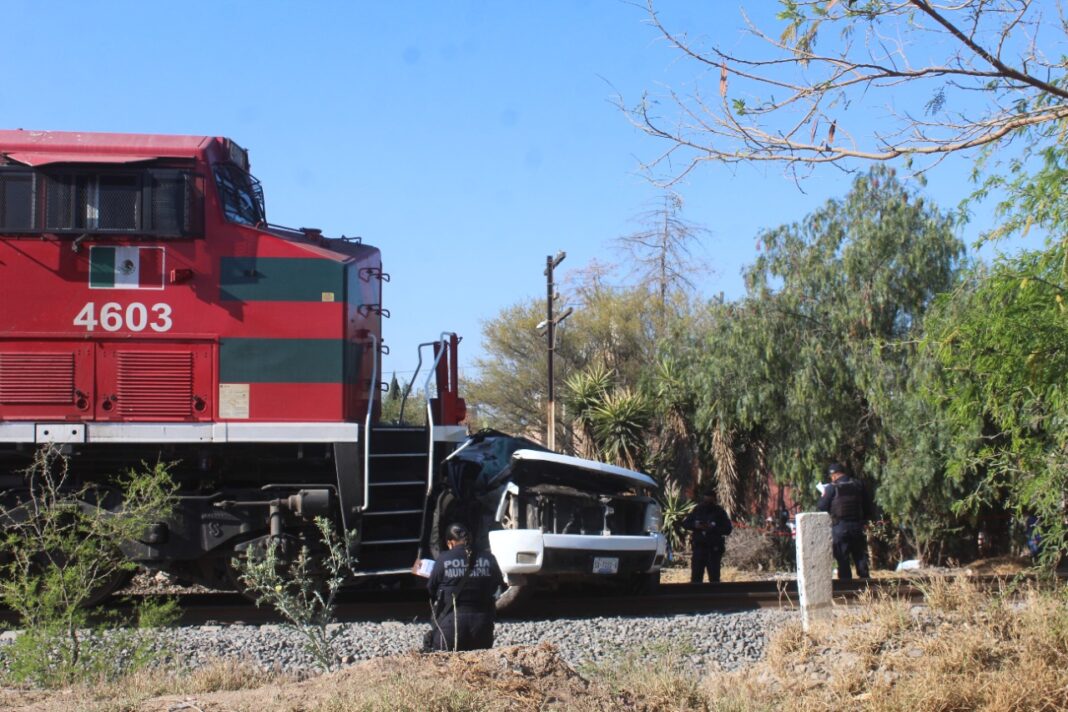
point(303, 590)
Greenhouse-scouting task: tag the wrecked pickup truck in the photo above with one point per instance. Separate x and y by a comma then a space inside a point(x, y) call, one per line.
point(549, 518)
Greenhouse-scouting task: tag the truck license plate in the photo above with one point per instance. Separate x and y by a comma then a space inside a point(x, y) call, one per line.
point(605, 564)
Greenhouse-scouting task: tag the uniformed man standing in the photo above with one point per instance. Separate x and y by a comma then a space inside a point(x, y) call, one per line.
point(462, 587)
point(848, 502)
point(710, 525)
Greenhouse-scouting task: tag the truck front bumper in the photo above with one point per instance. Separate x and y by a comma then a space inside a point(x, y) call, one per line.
point(522, 552)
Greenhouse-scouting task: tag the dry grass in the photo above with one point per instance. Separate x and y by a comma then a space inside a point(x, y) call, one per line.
point(965, 650)
point(647, 677)
point(135, 690)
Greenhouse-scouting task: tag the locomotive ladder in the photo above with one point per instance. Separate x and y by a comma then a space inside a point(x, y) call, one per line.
point(398, 463)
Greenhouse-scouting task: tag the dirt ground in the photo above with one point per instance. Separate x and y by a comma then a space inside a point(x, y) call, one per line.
point(679, 570)
point(513, 678)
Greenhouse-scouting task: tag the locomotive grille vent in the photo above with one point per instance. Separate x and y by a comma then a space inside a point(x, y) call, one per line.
point(154, 384)
point(39, 379)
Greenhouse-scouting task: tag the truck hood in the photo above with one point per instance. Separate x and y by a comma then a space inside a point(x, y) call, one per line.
point(531, 467)
point(491, 459)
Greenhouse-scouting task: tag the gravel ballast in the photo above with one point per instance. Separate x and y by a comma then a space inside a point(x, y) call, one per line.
point(722, 640)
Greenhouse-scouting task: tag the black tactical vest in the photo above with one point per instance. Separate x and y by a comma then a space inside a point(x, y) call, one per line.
point(848, 502)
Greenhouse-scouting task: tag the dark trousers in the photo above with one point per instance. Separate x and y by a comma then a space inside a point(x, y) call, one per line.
point(462, 629)
point(705, 558)
point(850, 543)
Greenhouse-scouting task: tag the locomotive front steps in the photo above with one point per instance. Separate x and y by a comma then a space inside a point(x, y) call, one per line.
point(397, 482)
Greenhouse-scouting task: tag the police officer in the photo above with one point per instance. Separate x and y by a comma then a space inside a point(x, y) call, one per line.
point(849, 504)
point(710, 524)
point(462, 586)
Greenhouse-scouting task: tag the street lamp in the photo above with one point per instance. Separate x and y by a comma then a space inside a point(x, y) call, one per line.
point(549, 325)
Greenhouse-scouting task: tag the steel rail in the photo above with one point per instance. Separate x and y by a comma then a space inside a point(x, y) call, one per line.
point(669, 599)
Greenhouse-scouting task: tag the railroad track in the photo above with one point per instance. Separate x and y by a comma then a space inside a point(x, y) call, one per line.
point(407, 604)
point(669, 599)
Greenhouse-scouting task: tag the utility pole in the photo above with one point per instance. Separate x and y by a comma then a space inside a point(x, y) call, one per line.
point(549, 325)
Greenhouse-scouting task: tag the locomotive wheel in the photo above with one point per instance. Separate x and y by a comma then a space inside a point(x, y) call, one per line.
point(14, 511)
point(316, 578)
point(115, 582)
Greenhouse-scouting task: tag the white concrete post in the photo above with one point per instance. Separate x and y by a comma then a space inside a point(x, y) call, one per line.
point(815, 566)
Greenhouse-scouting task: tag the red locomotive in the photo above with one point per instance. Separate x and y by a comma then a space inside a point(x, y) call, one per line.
point(148, 310)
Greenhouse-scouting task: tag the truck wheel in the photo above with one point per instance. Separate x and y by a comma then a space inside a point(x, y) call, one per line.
point(511, 598)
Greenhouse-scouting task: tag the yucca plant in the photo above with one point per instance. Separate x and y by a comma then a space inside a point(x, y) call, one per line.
point(674, 508)
point(585, 391)
point(620, 423)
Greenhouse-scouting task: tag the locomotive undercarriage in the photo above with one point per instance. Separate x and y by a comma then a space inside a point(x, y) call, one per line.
point(229, 498)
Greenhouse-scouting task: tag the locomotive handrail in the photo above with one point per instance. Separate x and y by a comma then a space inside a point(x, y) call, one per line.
point(418, 368)
point(429, 411)
point(434, 370)
point(367, 425)
point(408, 389)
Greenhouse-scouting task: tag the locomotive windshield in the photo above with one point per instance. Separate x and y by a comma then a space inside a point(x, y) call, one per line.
point(157, 202)
point(241, 195)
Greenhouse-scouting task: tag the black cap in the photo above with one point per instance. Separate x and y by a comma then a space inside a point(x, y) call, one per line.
point(837, 467)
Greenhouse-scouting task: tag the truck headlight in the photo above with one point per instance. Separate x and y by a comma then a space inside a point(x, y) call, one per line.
point(653, 518)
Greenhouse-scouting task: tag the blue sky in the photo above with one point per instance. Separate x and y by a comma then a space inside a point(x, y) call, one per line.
point(466, 139)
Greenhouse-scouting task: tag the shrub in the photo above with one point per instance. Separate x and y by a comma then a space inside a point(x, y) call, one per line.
point(754, 550)
point(61, 549)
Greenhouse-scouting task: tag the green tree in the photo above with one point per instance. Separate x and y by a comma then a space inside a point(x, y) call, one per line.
point(1001, 340)
point(509, 392)
point(800, 371)
point(402, 399)
point(611, 422)
point(611, 327)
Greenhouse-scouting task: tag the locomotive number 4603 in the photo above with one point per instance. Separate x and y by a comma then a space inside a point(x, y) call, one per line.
point(135, 317)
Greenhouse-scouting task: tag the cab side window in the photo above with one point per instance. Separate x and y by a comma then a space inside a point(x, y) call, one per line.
point(157, 202)
point(18, 193)
point(104, 203)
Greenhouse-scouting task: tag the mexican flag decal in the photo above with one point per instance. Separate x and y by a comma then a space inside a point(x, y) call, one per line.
point(125, 267)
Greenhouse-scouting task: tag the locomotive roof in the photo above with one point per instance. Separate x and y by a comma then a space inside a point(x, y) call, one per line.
point(37, 148)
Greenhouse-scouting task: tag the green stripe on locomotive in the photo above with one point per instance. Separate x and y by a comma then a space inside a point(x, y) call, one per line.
point(282, 360)
point(279, 279)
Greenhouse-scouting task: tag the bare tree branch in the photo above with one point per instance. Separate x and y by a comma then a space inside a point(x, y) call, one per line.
point(993, 65)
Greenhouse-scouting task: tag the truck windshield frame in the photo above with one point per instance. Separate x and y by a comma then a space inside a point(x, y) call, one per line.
point(240, 195)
